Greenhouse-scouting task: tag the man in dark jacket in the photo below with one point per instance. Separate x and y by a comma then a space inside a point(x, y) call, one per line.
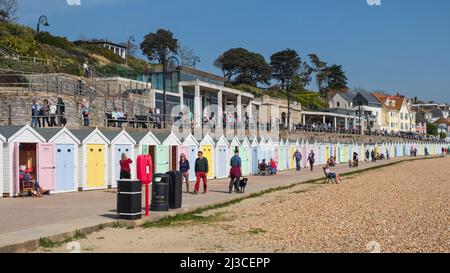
point(201, 172)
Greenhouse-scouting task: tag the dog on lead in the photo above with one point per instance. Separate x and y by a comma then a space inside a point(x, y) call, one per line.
point(243, 184)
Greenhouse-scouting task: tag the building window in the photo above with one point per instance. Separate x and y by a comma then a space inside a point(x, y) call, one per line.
point(338, 104)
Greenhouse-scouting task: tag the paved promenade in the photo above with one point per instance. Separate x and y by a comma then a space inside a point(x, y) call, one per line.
point(26, 220)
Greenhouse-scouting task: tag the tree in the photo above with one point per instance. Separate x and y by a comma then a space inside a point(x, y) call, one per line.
point(188, 57)
point(285, 66)
point(320, 71)
point(336, 78)
point(241, 66)
point(443, 135)
point(160, 47)
point(432, 129)
point(8, 10)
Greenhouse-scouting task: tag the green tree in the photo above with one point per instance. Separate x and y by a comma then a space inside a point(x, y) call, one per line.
point(432, 129)
point(159, 46)
point(285, 65)
point(336, 79)
point(241, 66)
point(321, 73)
point(443, 135)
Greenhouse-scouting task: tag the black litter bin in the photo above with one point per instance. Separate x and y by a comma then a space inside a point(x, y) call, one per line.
point(175, 189)
point(129, 199)
point(160, 192)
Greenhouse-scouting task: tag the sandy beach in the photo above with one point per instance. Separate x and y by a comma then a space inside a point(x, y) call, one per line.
point(402, 208)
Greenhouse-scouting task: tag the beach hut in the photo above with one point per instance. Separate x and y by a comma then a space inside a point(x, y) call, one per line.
point(120, 143)
point(255, 150)
point(173, 143)
point(234, 144)
point(164, 153)
point(304, 146)
point(93, 159)
point(244, 153)
point(66, 157)
point(222, 156)
point(270, 150)
point(2, 141)
point(25, 147)
point(262, 150)
point(190, 150)
point(207, 147)
point(281, 156)
point(146, 143)
point(292, 148)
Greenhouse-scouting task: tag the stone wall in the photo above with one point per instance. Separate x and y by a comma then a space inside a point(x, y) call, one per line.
point(342, 138)
point(16, 105)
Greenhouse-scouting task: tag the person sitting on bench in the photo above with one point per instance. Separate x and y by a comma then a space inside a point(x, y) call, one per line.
point(263, 168)
point(273, 167)
point(332, 175)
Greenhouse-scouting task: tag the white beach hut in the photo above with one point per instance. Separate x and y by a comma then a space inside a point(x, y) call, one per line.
point(190, 149)
point(93, 159)
point(222, 156)
point(2, 141)
point(120, 143)
point(25, 147)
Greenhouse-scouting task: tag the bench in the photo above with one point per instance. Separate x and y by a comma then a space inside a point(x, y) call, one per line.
point(328, 177)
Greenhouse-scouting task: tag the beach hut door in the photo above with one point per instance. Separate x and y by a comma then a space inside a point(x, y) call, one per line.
point(65, 166)
point(46, 174)
point(119, 150)
point(16, 169)
point(162, 159)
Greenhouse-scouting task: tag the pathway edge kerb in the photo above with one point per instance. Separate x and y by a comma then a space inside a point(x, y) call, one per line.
point(32, 245)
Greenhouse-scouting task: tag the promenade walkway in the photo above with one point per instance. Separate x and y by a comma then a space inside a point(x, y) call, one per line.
point(25, 220)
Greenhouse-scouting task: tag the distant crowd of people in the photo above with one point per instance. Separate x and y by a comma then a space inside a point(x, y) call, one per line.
point(48, 113)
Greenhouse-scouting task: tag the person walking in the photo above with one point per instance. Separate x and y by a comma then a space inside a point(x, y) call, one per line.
point(235, 172)
point(53, 110)
point(125, 170)
point(298, 160)
point(184, 170)
point(35, 108)
point(311, 159)
point(367, 155)
point(85, 112)
point(45, 113)
point(201, 171)
point(61, 111)
point(374, 157)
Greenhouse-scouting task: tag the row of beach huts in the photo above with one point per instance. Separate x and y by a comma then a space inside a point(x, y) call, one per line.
point(67, 160)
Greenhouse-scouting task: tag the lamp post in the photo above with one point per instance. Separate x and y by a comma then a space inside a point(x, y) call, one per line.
point(130, 39)
point(41, 21)
point(196, 60)
point(167, 61)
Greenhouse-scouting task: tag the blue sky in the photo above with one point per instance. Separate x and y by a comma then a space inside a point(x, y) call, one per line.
point(400, 46)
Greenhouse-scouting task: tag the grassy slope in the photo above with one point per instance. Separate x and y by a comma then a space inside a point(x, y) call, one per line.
point(63, 55)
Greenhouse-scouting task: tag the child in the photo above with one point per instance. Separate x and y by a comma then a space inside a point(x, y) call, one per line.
point(350, 164)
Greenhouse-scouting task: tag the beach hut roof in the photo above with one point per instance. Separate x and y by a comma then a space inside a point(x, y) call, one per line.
point(118, 135)
point(84, 134)
point(51, 134)
point(190, 140)
point(2, 138)
point(162, 135)
point(235, 142)
point(172, 140)
point(138, 136)
point(11, 132)
point(223, 142)
point(255, 142)
point(246, 142)
point(207, 140)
